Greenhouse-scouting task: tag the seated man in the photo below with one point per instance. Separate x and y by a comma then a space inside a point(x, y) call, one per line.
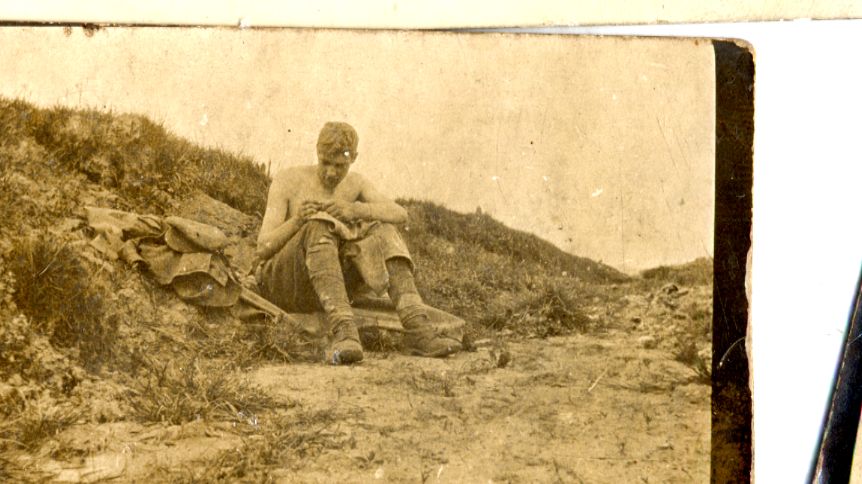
point(311, 214)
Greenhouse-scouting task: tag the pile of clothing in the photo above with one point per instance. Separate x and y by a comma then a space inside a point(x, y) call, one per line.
point(184, 254)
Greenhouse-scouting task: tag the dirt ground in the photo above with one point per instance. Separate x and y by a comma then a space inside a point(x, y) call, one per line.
point(570, 409)
point(581, 408)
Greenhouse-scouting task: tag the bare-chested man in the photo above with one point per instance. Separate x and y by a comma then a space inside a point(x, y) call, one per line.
point(303, 251)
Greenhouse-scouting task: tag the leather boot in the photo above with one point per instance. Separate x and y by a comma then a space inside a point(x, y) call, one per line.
point(421, 337)
point(324, 271)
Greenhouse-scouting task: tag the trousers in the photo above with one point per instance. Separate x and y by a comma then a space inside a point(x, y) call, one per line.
point(285, 278)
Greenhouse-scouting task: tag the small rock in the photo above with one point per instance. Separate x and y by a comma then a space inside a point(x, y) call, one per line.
point(648, 342)
point(503, 359)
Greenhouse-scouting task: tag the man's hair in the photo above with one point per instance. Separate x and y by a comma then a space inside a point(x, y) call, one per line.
point(337, 138)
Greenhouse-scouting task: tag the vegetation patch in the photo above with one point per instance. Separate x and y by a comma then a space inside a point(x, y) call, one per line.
point(494, 237)
point(181, 391)
point(695, 273)
point(552, 311)
point(278, 443)
point(131, 152)
point(62, 299)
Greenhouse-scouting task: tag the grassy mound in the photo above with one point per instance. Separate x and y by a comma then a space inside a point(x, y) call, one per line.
point(496, 277)
point(66, 304)
point(428, 219)
point(696, 272)
point(133, 153)
point(469, 264)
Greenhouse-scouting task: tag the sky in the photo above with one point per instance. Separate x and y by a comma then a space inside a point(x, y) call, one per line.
point(603, 146)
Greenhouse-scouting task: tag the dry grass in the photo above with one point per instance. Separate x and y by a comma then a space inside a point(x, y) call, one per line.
point(62, 298)
point(553, 311)
point(697, 332)
point(496, 277)
point(8, 196)
point(250, 343)
point(37, 421)
point(272, 339)
point(12, 471)
point(30, 416)
point(695, 273)
point(131, 152)
point(435, 383)
point(382, 341)
point(279, 443)
point(686, 353)
point(191, 389)
point(522, 248)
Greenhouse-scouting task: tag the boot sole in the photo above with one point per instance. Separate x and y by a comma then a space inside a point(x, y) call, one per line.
point(436, 354)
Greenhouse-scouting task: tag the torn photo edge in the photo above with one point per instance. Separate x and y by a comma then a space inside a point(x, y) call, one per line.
point(734, 137)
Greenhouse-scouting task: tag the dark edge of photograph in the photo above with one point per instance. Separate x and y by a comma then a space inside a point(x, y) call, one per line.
point(731, 395)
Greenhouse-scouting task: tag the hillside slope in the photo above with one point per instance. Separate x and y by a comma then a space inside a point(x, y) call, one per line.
point(94, 354)
point(469, 263)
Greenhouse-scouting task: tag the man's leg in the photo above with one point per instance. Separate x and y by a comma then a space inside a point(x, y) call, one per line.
point(420, 338)
point(325, 274)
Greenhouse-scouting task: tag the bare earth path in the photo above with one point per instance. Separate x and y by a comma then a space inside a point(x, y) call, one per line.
point(566, 409)
point(581, 408)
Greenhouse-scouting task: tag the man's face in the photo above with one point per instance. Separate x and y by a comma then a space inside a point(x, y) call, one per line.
point(333, 168)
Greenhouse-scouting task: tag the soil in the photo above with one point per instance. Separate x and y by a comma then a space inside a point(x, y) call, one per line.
point(580, 408)
point(566, 409)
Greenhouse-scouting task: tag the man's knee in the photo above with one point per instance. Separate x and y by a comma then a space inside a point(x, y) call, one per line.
point(391, 243)
point(385, 229)
point(316, 232)
point(321, 248)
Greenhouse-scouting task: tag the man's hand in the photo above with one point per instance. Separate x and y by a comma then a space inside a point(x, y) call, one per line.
point(309, 208)
point(347, 212)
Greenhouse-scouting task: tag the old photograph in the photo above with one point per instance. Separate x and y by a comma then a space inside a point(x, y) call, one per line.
point(299, 255)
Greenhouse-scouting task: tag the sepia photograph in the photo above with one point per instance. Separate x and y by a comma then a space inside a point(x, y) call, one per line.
point(302, 255)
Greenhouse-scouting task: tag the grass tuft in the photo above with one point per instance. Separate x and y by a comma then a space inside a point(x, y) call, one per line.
point(29, 417)
point(272, 339)
point(550, 312)
point(59, 294)
point(280, 443)
point(187, 390)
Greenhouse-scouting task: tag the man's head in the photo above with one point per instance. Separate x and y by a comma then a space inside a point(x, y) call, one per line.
point(336, 150)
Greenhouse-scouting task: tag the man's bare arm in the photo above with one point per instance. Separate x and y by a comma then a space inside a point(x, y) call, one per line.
point(373, 205)
point(275, 231)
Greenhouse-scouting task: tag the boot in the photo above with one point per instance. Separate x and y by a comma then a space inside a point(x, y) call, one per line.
point(344, 347)
point(421, 338)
